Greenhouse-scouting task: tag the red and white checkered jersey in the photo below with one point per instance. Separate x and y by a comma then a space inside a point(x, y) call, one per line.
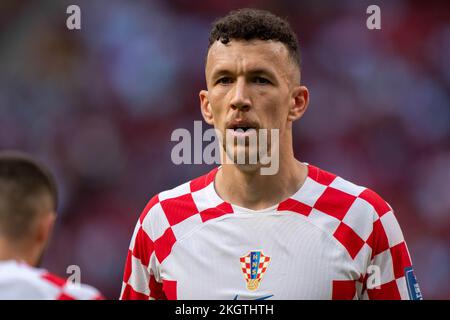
point(332, 239)
point(19, 281)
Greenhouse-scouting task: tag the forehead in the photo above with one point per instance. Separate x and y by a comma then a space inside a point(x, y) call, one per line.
point(248, 54)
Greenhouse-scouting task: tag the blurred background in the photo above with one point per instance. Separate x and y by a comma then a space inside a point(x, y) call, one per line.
point(98, 106)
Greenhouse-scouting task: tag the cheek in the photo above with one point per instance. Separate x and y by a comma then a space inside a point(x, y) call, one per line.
point(276, 108)
point(218, 107)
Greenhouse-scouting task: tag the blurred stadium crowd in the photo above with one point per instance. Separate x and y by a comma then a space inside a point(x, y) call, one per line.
point(98, 106)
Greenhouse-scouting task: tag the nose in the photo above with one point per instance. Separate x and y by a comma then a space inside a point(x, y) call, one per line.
point(240, 99)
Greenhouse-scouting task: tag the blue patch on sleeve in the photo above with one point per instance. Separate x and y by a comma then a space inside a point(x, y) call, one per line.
point(413, 286)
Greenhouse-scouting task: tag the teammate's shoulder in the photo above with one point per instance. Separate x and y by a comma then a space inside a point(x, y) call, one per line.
point(21, 281)
point(68, 290)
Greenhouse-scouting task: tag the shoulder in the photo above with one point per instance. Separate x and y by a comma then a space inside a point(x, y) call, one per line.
point(351, 214)
point(337, 195)
point(66, 290)
point(181, 202)
point(173, 213)
point(367, 228)
point(20, 281)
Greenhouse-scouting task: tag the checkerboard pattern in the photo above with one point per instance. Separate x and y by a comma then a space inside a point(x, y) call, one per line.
point(364, 224)
point(358, 219)
point(167, 218)
point(246, 266)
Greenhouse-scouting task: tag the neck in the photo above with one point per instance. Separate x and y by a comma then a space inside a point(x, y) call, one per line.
point(8, 251)
point(250, 189)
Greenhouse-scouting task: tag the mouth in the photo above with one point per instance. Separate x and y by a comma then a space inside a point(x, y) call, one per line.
point(242, 125)
point(242, 128)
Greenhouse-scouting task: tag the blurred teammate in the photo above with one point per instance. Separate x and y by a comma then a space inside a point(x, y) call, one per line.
point(28, 200)
point(235, 233)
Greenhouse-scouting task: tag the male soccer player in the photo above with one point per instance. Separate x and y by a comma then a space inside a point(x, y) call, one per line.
point(235, 233)
point(28, 200)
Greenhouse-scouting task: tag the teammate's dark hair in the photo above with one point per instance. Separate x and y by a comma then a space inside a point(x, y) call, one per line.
point(23, 185)
point(249, 24)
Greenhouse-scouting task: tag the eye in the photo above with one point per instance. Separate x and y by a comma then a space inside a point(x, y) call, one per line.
point(224, 80)
point(261, 80)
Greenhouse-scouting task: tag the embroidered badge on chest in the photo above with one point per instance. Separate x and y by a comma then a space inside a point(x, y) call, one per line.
point(254, 265)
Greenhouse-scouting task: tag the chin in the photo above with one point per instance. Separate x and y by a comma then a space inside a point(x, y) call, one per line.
point(249, 168)
point(245, 158)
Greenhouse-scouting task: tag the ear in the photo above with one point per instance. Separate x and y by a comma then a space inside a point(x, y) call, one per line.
point(300, 98)
point(205, 107)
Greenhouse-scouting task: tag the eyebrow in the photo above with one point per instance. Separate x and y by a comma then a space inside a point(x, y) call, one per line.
point(256, 71)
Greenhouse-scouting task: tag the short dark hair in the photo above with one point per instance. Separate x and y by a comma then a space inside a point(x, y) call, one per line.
point(249, 24)
point(23, 184)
